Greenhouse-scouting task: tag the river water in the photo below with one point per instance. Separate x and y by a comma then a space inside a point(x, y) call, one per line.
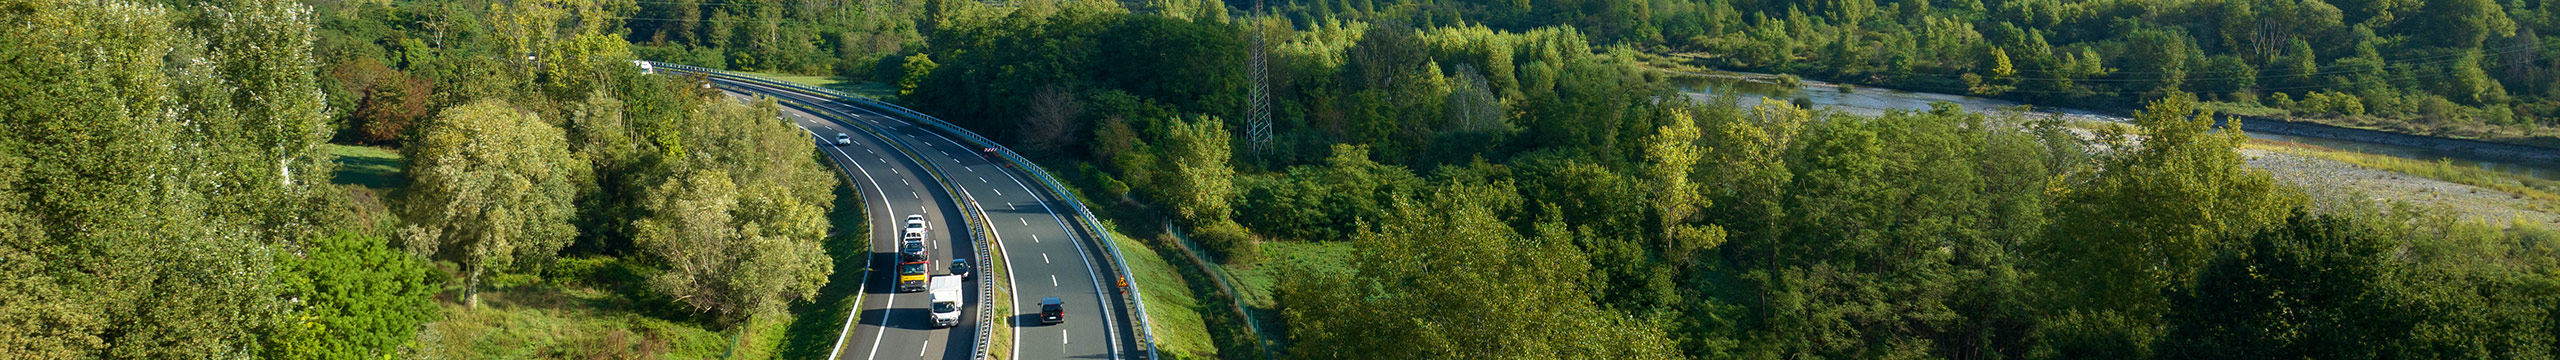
point(1875, 101)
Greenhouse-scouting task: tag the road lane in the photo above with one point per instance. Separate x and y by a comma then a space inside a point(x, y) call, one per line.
point(1082, 281)
point(890, 317)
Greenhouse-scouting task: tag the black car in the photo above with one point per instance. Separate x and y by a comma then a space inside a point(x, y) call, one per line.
point(960, 267)
point(1052, 311)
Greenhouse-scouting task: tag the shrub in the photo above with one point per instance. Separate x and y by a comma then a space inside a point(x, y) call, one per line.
point(1229, 242)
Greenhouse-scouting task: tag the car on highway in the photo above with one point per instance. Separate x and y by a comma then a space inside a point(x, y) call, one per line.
point(843, 139)
point(912, 248)
point(915, 223)
point(1052, 311)
point(960, 267)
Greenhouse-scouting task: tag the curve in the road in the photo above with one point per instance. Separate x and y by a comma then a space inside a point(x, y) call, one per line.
point(892, 321)
point(1041, 263)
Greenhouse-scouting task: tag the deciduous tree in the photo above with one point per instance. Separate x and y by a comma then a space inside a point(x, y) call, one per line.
point(492, 188)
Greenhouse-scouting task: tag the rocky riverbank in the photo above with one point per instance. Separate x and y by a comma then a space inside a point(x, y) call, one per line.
point(2331, 179)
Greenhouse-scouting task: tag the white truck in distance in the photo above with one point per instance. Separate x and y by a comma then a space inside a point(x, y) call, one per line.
point(946, 300)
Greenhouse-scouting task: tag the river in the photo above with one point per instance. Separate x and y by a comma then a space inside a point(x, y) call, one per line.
point(1875, 101)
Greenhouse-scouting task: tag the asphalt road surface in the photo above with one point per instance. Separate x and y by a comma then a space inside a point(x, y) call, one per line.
point(1045, 257)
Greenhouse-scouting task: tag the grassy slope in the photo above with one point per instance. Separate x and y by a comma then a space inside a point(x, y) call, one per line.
point(1173, 310)
point(1257, 281)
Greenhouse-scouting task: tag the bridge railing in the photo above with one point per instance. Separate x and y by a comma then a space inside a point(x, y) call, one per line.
point(1093, 228)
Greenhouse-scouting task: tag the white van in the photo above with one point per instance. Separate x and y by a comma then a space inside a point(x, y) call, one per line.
point(946, 301)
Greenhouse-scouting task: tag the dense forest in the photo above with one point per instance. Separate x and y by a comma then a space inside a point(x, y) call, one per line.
point(1529, 194)
point(1513, 179)
point(168, 188)
point(2467, 68)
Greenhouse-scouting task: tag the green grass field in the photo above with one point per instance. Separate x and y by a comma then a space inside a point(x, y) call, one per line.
point(1255, 283)
point(589, 307)
point(370, 167)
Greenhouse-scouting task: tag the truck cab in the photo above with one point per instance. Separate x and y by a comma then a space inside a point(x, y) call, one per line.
point(911, 276)
point(946, 297)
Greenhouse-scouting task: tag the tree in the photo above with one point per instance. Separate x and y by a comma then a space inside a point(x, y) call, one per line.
point(354, 297)
point(737, 228)
point(1671, 154)
point(2157, 212)
point(153, 163)
point(718, 259)
point(2311, 288)
point(1054, 122)
point(916, 68)
point(1443, 273)
point(2462, 24)
point(1201, 187)
point(492, 188)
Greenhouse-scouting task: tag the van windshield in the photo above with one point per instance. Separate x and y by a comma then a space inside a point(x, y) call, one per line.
point(911, 269)
point(944, 307)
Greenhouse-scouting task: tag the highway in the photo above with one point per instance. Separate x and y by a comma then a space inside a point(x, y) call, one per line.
point(1045, 255)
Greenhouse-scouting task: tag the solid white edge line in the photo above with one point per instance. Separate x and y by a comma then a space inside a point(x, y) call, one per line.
point(1110, 331)
point(955, 202)
point(851, 316)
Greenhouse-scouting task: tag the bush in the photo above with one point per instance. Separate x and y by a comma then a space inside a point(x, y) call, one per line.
point(1229, 242)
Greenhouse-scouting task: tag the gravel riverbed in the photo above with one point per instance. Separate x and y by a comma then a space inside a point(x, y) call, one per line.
point(2331, 179)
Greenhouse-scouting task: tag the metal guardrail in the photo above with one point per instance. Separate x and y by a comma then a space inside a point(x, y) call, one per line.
point(977, 230)
point(1094, 229)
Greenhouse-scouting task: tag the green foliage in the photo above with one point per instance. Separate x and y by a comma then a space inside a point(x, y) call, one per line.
point(492, 189)
point(154, 162)
point(1200, 186)
point(2305, 289)
point(915, 68)
point(2333, 286)
point(1230, 242)
point(353, 297)
point(2157, 211)
point(1672, 153)
point(1482, 278)
point(738, 229)
point(1324, 203)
